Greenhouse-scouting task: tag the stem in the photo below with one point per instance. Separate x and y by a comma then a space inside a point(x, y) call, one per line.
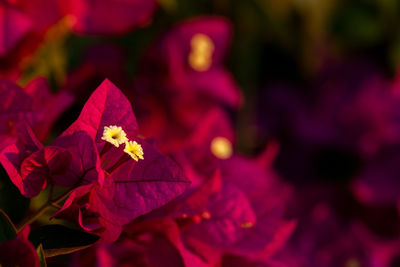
point(61, 197)
point(54, 205)
point(51, 191)
point(49, 204)
point(34, 217)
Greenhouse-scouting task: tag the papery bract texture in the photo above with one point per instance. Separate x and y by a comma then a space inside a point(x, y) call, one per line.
point(119, 191)
point(106, 106)
point(24, 162)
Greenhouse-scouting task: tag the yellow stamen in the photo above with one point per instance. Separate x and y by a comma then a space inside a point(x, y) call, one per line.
point(200, 57)
point(221, 148)
point(134, 150)
point(247, 225)
point(353, 262)
point(206, 215)
point(114, 135)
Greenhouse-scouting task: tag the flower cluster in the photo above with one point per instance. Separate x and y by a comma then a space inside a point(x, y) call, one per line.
point(231, 166)
point(116, 136)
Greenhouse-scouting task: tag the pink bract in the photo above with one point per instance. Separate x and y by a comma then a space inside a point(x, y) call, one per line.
point(121, 193)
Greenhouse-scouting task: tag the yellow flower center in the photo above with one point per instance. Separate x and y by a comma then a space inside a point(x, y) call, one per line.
point(133, 149)
point(200, 57)
point(206, 215)
point(221, 148)
point(353, 262)
point(114, 135)
point(247, 225)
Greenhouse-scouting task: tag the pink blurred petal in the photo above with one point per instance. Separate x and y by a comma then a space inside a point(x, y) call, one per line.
point(14, 25)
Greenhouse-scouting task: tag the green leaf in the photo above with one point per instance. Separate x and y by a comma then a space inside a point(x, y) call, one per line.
point(41, 256)
point(60, 240)
point(7, 228)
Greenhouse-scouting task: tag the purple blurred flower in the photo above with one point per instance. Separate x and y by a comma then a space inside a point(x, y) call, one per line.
point(185, 70)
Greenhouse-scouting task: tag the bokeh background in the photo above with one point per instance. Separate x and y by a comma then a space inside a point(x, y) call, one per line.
point(320, 84)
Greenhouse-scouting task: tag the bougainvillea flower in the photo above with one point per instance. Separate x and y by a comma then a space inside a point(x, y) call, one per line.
point(182, 77)
point(30, 165)
point(233, 210)
point(220, 200)
point(267, 236)
point(108, 16)
point(191, 77)
point(223, 207)
point(114, 186)
point(213, 134)
point(17, 159)
point(219, 211)
point(209, 142)
point(112, 182)
point(250, 226)
point(202, 142)
point(22, 156)
point(193, 52)
point(19, 251)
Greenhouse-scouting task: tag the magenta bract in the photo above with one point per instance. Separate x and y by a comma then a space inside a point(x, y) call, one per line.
point(117, 192)
point(24, 162)
point(26, 116)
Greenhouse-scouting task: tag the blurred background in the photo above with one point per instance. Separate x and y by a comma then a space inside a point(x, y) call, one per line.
point(320, 82)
